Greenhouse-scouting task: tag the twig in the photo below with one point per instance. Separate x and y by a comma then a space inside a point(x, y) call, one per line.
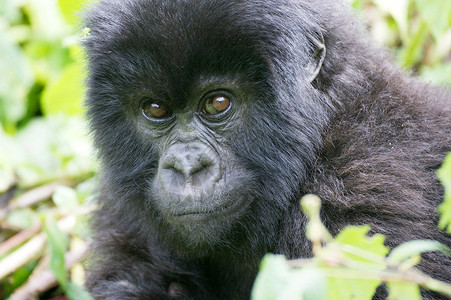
point(30, 250)
point(387, 275)
point(18, 239)
point(35, 195)
point(44, 279)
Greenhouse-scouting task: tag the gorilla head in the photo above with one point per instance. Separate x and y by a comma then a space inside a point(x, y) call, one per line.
point(206, 119)
point(212, 119)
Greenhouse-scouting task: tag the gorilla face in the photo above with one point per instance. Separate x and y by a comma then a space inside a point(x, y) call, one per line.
point(201, 130)
point(201, 187)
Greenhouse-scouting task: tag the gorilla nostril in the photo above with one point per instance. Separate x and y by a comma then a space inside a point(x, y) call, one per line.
point(170, 177)
point(203, 174)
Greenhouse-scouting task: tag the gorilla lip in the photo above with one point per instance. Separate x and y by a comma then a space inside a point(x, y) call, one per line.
point(229, 207)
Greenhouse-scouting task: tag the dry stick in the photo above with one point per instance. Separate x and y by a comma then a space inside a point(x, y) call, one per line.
point(18, 239)
point(35, 195)
point(30, 250)
point(31, 197)
point(44, 279)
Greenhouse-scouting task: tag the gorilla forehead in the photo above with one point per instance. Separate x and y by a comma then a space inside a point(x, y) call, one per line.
point(212, 36)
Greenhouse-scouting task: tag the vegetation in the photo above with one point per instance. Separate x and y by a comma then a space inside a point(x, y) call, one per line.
point(47, 166)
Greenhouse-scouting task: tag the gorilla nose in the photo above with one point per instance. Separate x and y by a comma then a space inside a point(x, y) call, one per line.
point(187, 166)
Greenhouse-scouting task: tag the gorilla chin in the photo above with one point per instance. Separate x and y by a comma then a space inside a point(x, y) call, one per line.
point(196, 224)
point(200, 232)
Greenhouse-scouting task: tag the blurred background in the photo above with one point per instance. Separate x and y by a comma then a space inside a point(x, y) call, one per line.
point(47, 164)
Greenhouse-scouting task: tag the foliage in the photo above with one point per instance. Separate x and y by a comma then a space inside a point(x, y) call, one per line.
point(419, 31)
point(42, 74)
point(350, 266)
point(46, 158)
point(47, 167)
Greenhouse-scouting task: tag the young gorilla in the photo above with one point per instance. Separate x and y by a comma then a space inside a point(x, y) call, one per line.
point(213, 118)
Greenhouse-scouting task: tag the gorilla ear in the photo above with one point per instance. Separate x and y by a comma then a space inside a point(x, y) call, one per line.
point(317, 55)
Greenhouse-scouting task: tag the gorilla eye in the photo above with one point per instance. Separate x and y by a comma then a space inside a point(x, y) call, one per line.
point(154, 110)
point(216, 105)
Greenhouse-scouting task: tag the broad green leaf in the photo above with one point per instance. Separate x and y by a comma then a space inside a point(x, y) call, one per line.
point(65, 197)
point(46, 19)
point(16, 79)
point(19, 277)
point(436, 14)
point(22, 218)
point(412, 52)
point(9, 11)
point(439, 74)
point(444, 174)
point(75, 292)
point(58, 244)
point(403, 291)
point(357, 4)
point(399, 11)
point(412, 248)
point(356, 236)
point(61, 149)
point(86, 190)
point(276, 281)
point(351, 289)
point(272, 277)
point(66, 94)
point(71, 9)
point(306, 284)
point(10, 155)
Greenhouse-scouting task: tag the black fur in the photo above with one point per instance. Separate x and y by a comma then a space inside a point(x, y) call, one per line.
point(362, 135)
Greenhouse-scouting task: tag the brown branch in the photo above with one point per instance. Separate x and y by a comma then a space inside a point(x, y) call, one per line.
point(31, 250)
point(36, 195)
point(18, 239)
point(43, 280)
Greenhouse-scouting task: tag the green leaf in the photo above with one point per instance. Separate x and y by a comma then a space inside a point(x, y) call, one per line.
point(70, 9)
point(22, 218)
point(276, 281)
point(65, 197)
point(399, 11)
point(413, 49)
point(46, 20)
point(351, 289)
point(272, 277)
point(411, 248)
point(10, 154)
point(444, 174)
point(357, 4)
point(356, 236)
point(436, 14)
point(19, 277)
point(439, 73)
point(16, 79)
point(403, 291)
point(75, 292)
point(58, 243)
point(359, 248)
point(66, 94)
point(306, 284)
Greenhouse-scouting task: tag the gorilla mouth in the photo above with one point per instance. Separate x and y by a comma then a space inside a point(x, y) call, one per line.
point(231, 207)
